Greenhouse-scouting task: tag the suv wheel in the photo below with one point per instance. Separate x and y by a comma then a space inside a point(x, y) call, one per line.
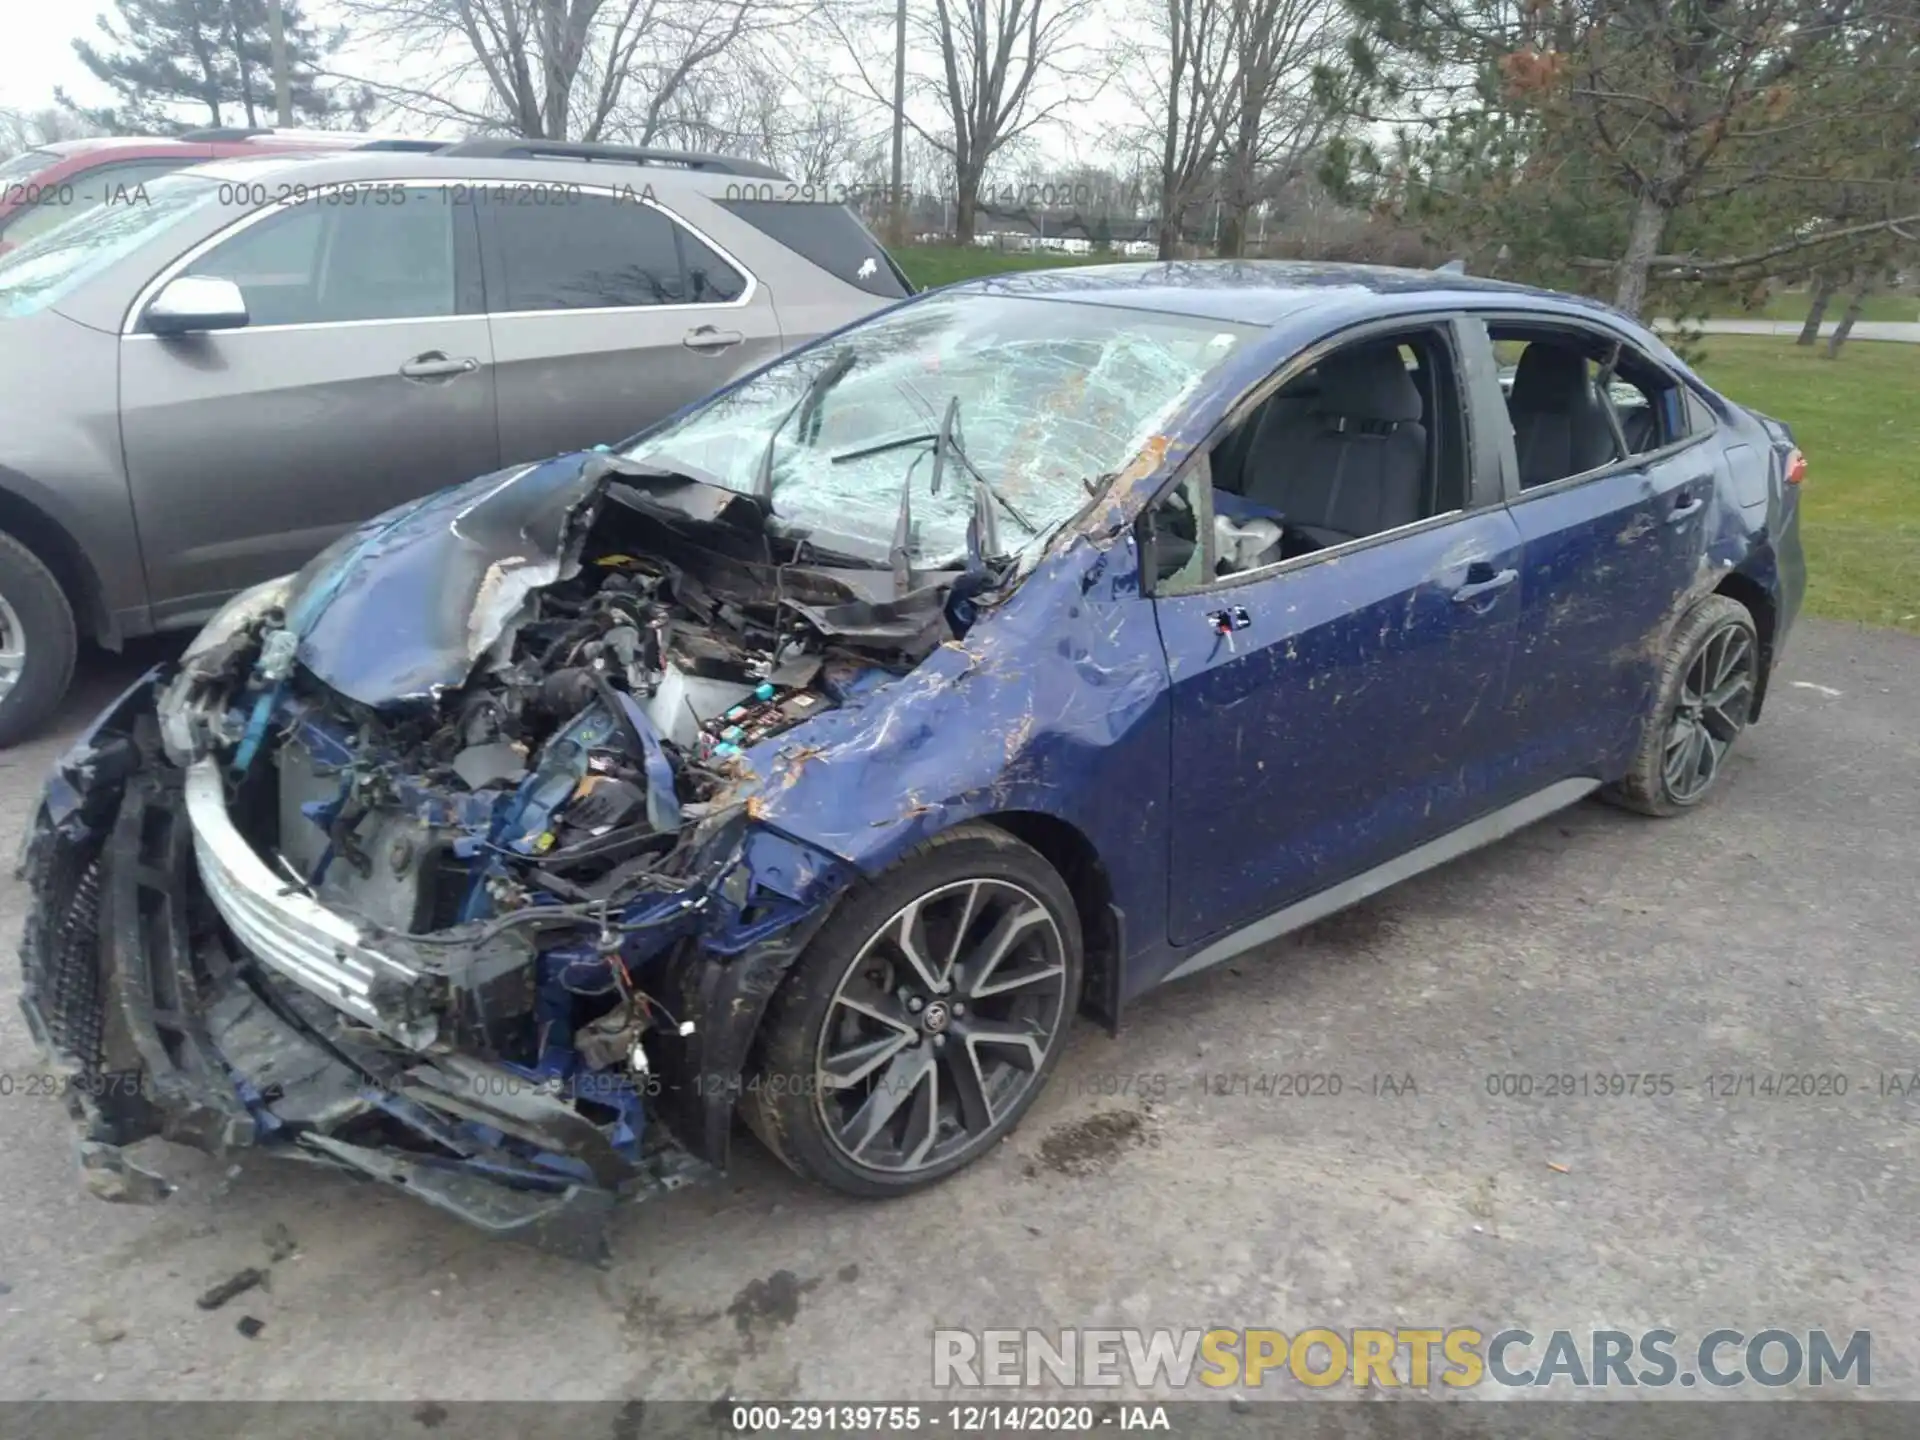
point(37, 642)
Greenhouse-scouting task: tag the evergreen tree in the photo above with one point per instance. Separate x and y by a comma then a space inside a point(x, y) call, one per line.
point(177, 64)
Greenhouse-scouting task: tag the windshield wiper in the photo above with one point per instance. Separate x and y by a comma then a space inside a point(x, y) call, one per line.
point(945, 443)
point(803, 407)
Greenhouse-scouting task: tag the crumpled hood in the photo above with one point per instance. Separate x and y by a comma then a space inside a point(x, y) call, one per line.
point(403, 608)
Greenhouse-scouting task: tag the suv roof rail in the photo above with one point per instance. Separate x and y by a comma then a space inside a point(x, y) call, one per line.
point(224, 132)
point(418, 147)
point(514, 148)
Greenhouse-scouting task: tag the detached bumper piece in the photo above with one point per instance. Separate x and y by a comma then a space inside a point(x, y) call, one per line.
point(163, 1028)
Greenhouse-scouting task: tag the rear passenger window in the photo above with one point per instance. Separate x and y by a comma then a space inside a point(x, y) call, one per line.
point(600, 252)
point(832, 237)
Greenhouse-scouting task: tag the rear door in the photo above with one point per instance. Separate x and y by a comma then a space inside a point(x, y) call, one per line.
point(365, 378)
point(608, 313)
point(1609, 553)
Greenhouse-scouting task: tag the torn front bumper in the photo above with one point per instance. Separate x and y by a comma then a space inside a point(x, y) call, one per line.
point(188, 993)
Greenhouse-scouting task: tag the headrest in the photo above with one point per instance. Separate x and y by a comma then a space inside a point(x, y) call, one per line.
point(1550, 377)
point(1368, 382)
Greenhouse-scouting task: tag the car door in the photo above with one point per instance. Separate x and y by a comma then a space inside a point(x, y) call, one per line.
point(1610, 550)
point(1339, 707)
point(363, 378)
point(609, 313)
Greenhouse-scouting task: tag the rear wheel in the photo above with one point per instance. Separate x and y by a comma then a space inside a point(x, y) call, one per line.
point(1701, 705)
point(37, 642)
point(923, 1019)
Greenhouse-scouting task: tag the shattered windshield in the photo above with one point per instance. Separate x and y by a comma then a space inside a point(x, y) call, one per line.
point(1051, 396)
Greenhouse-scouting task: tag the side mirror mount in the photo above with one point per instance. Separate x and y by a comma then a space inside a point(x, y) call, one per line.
point(190, 304)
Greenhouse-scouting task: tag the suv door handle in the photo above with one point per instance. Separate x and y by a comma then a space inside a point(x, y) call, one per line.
point(710, 341)
point(1683, 507)
point(1482, 581)
point(435, 365)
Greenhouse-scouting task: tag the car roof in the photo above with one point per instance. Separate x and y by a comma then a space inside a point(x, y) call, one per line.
point(325, 167)
point(1263, 292)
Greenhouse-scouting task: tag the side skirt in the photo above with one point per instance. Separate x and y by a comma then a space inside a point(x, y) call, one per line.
point(1471, 836)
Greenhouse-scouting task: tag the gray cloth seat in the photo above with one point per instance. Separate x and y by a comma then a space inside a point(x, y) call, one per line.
point(1559, 428)
point(1352, 460)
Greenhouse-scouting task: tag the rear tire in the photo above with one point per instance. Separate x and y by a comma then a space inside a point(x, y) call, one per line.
point(1700, 707)
point(38, 642)
point(922, 1020)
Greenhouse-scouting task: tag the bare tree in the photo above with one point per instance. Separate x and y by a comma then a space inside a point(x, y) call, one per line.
point(556, 69)
point(755, 102)
point(1188, 76)
point(1003, 68)
point(30, 129)
point(1289, 100)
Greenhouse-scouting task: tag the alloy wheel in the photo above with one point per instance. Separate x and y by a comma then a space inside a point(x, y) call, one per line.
point(940, 1026)
point(13, 648)
point(1715, 699)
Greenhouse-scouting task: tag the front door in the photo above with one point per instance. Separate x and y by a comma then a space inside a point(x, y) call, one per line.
point(364, 378)
point(1333, 714)
point(607, 315)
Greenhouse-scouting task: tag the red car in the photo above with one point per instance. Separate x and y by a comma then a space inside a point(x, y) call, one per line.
point(42, 187)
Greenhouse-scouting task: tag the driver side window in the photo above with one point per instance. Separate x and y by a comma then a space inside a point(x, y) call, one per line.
point(1370, 439)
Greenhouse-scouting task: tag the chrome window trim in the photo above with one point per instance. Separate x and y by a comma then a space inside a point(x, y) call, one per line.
point(131, 319)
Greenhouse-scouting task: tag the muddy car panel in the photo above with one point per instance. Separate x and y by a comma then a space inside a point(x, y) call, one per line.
point(470, 858)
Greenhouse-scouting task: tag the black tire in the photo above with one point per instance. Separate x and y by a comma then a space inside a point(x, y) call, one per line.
point(1661, 780)
point(45, 620)
point(966, 886)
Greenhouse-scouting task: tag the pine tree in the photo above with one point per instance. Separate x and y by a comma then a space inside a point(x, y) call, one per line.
point(177, 64)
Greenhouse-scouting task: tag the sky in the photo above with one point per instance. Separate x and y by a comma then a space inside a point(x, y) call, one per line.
point(39, 51)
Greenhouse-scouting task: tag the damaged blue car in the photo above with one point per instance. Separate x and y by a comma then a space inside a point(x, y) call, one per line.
point(816, 757)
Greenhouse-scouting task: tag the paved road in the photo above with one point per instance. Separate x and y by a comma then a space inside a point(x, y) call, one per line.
point(1902, 330)
point(1772, 933)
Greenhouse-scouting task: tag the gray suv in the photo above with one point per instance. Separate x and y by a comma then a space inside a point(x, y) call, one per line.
point(203, 382)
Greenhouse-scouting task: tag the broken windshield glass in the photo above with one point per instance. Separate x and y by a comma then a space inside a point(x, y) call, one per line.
point(1052, 392)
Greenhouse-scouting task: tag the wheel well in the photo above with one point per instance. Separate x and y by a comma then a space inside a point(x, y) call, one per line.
point(1759, 605)
point(48, 539)
point(1101, 924)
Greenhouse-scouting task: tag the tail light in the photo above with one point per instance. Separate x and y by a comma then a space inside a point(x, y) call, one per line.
point(1796, 466)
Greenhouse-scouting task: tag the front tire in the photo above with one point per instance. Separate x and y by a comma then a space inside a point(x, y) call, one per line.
point(37, 642)
point(1701, 705)
point(922, 1020)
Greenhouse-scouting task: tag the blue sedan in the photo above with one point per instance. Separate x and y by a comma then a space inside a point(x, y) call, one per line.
point(817, 755)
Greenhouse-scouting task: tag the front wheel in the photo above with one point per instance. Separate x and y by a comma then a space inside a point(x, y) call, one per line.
point(1701, 705)
point(37, 642)
point(923, 1019)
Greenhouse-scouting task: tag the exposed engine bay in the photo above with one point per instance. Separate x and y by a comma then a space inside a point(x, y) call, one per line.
point(491, 890)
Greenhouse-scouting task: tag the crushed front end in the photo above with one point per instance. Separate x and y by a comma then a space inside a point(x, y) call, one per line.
point(439, 863)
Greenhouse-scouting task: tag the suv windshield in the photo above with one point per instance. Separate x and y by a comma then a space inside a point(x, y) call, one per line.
point(47, 267)
point(1052, 395)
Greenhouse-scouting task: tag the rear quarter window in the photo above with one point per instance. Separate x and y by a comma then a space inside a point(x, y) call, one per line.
point(831, 236)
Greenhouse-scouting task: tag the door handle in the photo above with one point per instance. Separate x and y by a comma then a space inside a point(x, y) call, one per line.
point(1683, 507)
point(1481, 580)
point(434, 365)
point(1225, 622)
point(709, 341)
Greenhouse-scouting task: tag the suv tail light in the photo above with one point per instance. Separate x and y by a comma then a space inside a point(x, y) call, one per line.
point(1796, 466)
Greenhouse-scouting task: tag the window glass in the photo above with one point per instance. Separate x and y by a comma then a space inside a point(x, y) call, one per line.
point(831, 236)
point(599, 251)
point(1369, 440)
point(710, 280)
point(109, 184)
point(1046, 399)
point(1565, 421)
point(38, 273)
point(321, 261)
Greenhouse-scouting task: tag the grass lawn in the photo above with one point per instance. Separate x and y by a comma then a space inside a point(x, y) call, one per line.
point(1792, 305)
point(1858, 420)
